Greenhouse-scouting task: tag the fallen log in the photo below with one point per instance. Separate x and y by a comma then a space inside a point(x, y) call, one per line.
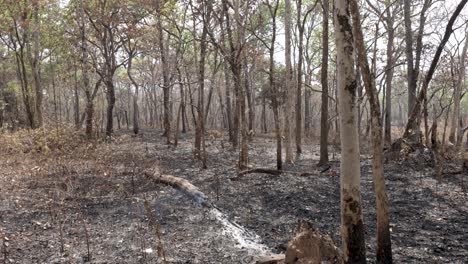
point(273, 172)
point(261, 170)
point(248, 240)
point(181, 184)
point(272, 259)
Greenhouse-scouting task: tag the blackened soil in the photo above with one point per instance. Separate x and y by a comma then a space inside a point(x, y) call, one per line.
point(53, 208)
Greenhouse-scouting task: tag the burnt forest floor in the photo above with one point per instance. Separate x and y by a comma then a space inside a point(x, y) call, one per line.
point(55, 206)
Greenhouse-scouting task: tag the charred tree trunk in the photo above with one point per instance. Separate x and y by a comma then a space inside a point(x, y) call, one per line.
point(110, 97)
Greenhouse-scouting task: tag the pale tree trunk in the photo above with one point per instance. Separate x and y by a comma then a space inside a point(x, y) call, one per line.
point(384, 249)
point(411, 77)
point(33, 57)
point(200, 130)
point(237, 70)
point(249, 95)
point(352, 226)
point(324, 79)
point(232, 120)
point(221, 106)
point(165, 73)
point(84, 72)
point(35, 65)
point(299, 79)
point(455, 129)
point(389, 78)
point(227, 87)
point(288, 84)
point(235, 56)
point(76, 100)
point(212, 84)
point(182, 101)
point(273, 88)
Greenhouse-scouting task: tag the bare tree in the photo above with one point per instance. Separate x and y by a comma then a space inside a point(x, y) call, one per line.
point(324, 79)
point(352, 232)
point(384, 249)
point(456, 135)
point(288, 84)
point(416, 112)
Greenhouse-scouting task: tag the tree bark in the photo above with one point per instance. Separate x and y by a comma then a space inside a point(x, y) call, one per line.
point(76, 100)
point(384, 249)
point(411, 77)
point(165, 73)
point(389, 78)
point(299, 79)
point(352, 226)
point(200, 131)
point(289, 83)
point(324, 80)
point(273, 89)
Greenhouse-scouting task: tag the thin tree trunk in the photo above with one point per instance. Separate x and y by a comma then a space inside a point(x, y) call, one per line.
point(455, 130)
point(299, 79)
point(412, 120)
point(409, 56)
point(35, 67)
point(200, 131)
point(76, 100)
point(274, 90)
point(165, 72)
point(110, 92)
point(324, 79)
point(389, 78)
point(249, 94)
point(384, 249)
point(289, 86)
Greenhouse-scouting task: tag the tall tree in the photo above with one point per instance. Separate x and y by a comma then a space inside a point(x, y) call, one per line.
point(105, 18)
point(390, 13)
point(384, 249)
point(413, 57)
point(165, 70)
point(456, 135)
point(300, 26)
point(272, 86)
point(324, 80)
point(22, 37)
point(206, 7)
point(352, 231)
point(289, 83)
point(35, 61)
point(416, 112)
